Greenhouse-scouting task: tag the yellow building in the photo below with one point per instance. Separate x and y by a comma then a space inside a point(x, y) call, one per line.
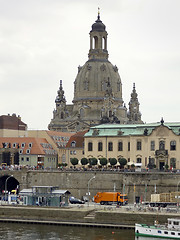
point(147, 145)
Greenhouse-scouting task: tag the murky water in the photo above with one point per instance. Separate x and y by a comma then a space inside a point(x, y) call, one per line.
point(11, 231)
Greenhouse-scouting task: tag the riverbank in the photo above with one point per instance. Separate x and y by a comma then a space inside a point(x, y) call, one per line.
point(81, 216)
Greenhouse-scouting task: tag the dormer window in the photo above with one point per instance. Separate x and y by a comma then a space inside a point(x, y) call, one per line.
point(23, 145)
point(20, 151)
point(30, 145)
point(28, 151)
point(14, 145)
point(73, 144)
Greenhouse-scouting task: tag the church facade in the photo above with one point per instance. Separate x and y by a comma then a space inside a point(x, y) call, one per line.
point(97, 92)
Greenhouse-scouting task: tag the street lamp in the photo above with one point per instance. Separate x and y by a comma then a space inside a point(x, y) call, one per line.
point(88, 187)
point(6, 185)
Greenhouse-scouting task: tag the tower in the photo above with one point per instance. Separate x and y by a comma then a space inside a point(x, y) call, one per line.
point(97, 90)
point(134, 114)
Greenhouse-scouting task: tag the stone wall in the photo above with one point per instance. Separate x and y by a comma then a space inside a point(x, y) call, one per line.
point(77, 182)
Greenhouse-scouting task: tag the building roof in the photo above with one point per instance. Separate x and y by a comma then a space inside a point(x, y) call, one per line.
point(34, 145)
point(78, 138)
point(130, 129)
point(12, 122)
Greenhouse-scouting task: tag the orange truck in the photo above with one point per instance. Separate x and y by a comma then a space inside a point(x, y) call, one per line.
point(110, 198)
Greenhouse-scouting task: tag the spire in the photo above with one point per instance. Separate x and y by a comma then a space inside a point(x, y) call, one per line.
point(60, 98)
point(134, 114)
point(98, 13)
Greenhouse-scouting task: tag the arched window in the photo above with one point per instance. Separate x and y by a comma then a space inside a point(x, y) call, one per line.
point(110, 146)
point(100, 146)
point(173, 145)
point(95, 42)
point(120, 146)
point(62, 115)
point(173, 162)
point(90, 146)
point(73, 144)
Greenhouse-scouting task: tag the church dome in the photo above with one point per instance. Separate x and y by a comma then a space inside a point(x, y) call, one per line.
point(95, 79)
point(98, 26)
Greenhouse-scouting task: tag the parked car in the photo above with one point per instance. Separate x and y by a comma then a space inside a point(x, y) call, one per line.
point(74, 200)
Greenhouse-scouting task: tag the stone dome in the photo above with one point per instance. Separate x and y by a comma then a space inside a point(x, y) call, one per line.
point(95, 79)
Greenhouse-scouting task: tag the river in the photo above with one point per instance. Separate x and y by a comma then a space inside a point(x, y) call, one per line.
point(11, 231)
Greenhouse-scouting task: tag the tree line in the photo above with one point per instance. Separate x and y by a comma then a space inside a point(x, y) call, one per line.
point(103, 161)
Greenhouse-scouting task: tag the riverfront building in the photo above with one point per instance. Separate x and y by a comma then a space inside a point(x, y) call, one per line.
point(147, 145)
point(97, 92)
point(27, 151)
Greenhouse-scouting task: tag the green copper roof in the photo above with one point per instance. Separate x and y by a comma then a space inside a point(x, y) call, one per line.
point(130, 129)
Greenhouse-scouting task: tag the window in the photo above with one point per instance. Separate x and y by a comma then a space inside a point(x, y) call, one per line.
point(159, 231)
point(152, 145)
point(173, 162)
point(30, 145)
point(138, 145)
point(172, 233)
point(161, 145)
point(165, 232)
point(74, 152)
point(173, 145)
point(73, 144)
point(138, 160)
point(120, 146)
point(27, 159)
point(90, 146)
point(14, 145)
point(110, 146)
point(129, 146)
point(100, 146)
point(28, 151)
point(71, 152)
point(22, 145)
point(22, 159)
point(20, 151)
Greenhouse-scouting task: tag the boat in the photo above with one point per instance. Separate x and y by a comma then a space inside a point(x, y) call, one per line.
point(170, 230)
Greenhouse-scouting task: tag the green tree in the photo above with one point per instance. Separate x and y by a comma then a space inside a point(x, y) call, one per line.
point(122, 162)
point(113, 161)
point(103, 161)
point(84, 161)
point(92, 161)
point(74, 161)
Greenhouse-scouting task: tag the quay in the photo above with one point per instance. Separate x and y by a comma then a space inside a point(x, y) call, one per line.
point(82, 216)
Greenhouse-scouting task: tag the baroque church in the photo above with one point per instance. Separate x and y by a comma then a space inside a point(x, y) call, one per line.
point(97, 92)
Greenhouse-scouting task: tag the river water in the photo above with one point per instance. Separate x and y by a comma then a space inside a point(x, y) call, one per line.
point(11, 231)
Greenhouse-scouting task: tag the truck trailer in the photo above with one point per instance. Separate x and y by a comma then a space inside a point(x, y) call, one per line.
point(109, 198)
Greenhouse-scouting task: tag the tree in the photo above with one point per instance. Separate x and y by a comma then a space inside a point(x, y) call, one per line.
point(84, 161)
point(103, 161)
point(92, 161)
point(74, 161)
point(122, 162)
point(112, 161)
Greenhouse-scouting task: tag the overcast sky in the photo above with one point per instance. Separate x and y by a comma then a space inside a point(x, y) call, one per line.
point(44, 41)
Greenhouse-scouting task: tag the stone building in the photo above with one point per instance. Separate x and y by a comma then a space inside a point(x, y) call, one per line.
point(97, 91)
point(12, 126)
point(147, 145)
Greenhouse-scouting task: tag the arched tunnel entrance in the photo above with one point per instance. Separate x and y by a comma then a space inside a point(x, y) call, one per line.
point(8, 183)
